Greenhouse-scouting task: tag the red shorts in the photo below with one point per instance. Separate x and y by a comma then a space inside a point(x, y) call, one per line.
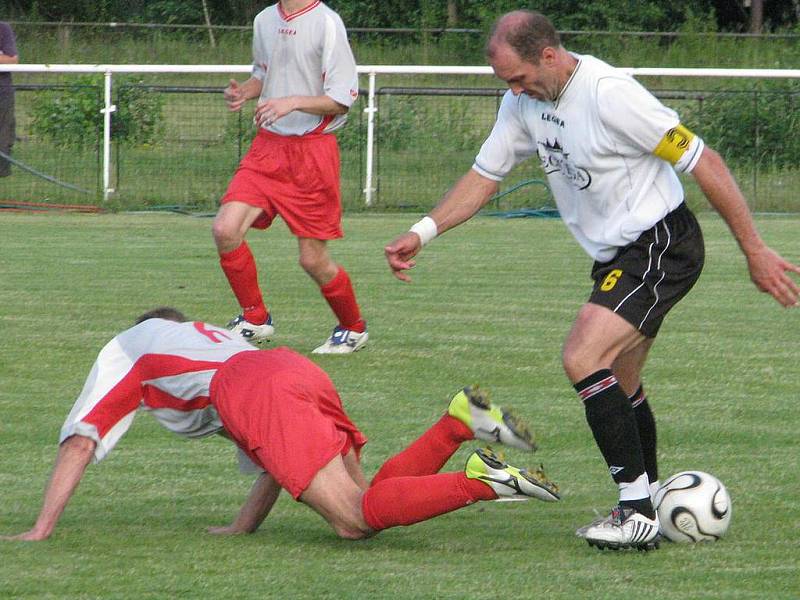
point(296, 177)
point(285, 413)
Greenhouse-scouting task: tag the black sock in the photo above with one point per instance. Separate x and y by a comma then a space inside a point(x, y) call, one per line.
point(610, 416)
point(642, 505)
point(646, 424)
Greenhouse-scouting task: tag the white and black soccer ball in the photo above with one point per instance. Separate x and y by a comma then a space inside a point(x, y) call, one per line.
point(693, 506)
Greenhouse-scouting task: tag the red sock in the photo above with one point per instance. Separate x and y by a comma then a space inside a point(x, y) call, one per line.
point(429, 452)
point(339, 294)
point(409, 500)
point(239, 267)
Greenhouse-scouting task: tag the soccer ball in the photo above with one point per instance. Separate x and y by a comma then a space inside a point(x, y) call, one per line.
point(693, 506)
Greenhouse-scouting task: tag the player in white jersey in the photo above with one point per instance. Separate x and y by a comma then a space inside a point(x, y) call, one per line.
point(610, 150)
point(304, 76)
point(287, 419)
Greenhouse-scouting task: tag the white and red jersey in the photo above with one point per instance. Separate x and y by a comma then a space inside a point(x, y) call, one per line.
point(609, 148)
point(305, 53)
point(160, 366)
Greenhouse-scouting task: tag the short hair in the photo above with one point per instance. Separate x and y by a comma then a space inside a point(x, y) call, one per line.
point(162, 312)
point(526, 32)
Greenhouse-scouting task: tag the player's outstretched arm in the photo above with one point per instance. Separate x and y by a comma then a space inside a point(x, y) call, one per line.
point(74, 455)
point(262, 497)
point(768, 270)
point(460, 203)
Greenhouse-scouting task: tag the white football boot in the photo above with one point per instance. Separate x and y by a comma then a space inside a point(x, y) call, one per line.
point(342, 341)
point(488, 422)
point(509, 482)
point(250, 331)
point(624, 528)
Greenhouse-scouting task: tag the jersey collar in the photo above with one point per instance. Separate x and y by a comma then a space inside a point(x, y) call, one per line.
point(563, 95)
point(298, 13)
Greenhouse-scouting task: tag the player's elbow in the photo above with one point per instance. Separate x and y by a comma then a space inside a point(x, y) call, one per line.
point(78, 448)
point(710, 158)
point(79, 443)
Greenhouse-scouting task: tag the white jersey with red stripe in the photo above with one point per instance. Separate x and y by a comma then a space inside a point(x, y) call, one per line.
point(160, 366)
point(609, 148)
point(305, 53)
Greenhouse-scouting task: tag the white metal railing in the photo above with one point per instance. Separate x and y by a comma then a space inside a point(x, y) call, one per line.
point(371, 70)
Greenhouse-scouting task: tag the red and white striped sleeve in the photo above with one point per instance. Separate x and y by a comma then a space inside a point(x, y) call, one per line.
point(108, 403)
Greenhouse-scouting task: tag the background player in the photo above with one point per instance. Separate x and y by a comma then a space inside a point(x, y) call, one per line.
point(304, 76)
point(610, 150)
point(285, 414)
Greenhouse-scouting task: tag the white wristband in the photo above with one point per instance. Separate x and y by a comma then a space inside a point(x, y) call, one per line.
point(425, 228)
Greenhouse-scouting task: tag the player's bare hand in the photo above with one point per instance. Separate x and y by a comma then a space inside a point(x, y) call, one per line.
point(234, 95)
point(271, 110)
point(770, 272)
point(400, 252)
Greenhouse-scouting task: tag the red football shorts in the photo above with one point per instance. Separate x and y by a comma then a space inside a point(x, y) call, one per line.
point(285, 413)
point(296, 177)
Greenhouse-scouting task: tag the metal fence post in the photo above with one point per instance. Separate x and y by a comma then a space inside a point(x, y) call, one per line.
point(370, 110)
point(107, 110)
point(757, 132)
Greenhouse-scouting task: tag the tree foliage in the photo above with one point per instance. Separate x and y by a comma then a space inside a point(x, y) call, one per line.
point(641, 15)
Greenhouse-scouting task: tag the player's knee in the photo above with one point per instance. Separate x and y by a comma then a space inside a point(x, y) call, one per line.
point(226, 237)
point(319, 267)
point(350, 524)
point(350, 532)
point(574, 362)
point(353, 528)
point(306, 262)
point(311, 262)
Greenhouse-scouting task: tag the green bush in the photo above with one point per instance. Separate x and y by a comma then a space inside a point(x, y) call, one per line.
point(71, 116)
point(354, 134)
point(239, 127)
point(448, 123)
point(758, 128)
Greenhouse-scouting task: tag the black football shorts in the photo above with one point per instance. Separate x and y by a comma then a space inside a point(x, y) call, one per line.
point(647, 277)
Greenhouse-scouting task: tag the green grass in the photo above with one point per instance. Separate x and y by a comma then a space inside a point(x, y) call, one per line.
point(491, 302)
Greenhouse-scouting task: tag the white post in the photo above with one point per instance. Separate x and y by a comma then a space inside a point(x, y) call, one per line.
point(107, 110)
point(370, 110)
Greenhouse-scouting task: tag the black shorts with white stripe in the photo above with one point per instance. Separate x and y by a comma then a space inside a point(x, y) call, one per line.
point(649, 276)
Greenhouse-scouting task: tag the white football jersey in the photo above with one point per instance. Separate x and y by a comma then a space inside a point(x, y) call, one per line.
point(305, 53)
point(159, 366)
point(609, 149)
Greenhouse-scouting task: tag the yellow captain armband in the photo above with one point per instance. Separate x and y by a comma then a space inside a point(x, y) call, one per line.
point(674, 144)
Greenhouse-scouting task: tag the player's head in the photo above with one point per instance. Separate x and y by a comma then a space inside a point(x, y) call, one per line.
point(526, 32)
point(163, 312)
point(525, 52)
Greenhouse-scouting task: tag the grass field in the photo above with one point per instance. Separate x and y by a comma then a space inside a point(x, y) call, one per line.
point(490, 303)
